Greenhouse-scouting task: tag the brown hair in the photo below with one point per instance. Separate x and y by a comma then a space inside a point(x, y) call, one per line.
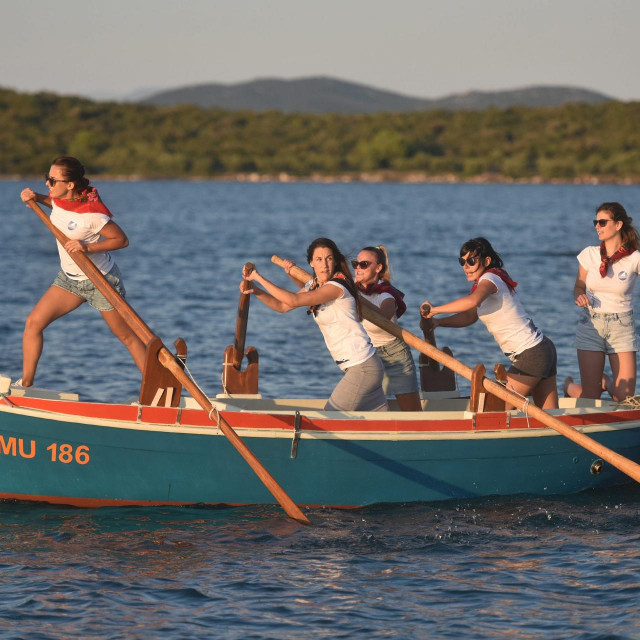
point(73, 171)
point(341, 266)
point(628, 232)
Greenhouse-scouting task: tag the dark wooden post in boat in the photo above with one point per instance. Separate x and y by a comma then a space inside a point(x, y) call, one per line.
point(234, 380)
point(477, 395)
point(432, 377)
point(169, 361)
point(480, 400)
point(491, 401)
point(370, 312)
point(159, 386)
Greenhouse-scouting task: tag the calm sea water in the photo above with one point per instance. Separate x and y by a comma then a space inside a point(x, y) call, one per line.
point(522, 567)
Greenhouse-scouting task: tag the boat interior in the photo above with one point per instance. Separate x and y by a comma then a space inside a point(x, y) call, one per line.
point(448, 402)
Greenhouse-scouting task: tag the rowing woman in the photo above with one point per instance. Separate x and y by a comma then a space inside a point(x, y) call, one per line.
point(332, 299)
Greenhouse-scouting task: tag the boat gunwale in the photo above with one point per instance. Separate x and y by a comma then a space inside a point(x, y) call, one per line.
point(316, 432)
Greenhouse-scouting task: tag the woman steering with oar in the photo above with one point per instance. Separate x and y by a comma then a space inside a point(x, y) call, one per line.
point(493, 300)
point(332, 299)
point(78, 211)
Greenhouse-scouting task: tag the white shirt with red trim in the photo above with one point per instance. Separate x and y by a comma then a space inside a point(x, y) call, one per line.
point(614, 292)
point(85, 227)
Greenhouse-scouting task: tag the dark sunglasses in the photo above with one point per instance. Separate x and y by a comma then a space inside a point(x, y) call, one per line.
point(602, 222)
point(363, 264)
point(52, 181)
point(470, 261)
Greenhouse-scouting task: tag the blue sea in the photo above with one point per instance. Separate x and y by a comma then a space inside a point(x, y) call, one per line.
point(517, 567)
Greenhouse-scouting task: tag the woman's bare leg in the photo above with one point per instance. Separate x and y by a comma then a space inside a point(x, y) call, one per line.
point(129, 339)
point(543, 390)
point(623, 383)
point(591, 365)
point(55, 303)
point(409, 401)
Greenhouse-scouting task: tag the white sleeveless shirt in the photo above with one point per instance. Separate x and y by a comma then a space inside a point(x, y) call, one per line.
point(343, 333)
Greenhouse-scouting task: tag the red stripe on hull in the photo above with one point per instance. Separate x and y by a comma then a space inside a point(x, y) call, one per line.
point(259, 421)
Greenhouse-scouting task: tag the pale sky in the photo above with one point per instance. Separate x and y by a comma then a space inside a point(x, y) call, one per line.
point(424, 48)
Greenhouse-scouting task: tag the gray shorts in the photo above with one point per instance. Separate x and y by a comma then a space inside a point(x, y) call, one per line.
point(360, 389)
point(87, 290)
point(606, 332)
point(399, 368)
point(540, 361)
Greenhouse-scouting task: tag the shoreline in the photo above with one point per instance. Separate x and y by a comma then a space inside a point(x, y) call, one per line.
point(367, 177)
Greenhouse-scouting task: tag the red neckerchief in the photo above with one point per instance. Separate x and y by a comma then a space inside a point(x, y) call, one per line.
point(385, 287)
point(503, 275)
point(88, 202)
point(316, 285)
point(623, 251)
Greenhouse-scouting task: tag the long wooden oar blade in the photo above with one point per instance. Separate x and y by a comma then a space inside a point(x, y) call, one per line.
point(370, 313)
point(137, 325)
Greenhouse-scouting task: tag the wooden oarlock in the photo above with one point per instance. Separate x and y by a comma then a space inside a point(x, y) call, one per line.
point(370, 312)
point(432, 376)
point(169, 361)
point(159, 387)
point(234, 380)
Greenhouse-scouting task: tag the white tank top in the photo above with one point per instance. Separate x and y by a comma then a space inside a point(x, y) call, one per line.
point(343, 333)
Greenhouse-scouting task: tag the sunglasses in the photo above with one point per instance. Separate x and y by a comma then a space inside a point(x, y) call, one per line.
point(470, 261)
point(52, 181)
point(362, 264)
point(602, 222)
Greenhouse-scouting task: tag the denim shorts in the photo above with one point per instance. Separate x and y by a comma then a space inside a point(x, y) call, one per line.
point(399, 368)
point(539, 361)
point(606, 332)
point(87, 290)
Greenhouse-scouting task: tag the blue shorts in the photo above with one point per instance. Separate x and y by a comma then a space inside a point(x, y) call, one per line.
point(606, 332)
point(399, 368)
point(87, 290)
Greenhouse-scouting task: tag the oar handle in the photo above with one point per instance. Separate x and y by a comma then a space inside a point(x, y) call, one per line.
point(370, 313)
point(242, 319)
point(145, 334)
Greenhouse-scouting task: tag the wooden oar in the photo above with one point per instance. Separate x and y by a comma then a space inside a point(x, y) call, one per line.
point(168, 360)
point(242, 320)
point(369, 312)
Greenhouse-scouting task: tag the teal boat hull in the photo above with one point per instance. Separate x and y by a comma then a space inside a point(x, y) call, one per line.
point(70, 459)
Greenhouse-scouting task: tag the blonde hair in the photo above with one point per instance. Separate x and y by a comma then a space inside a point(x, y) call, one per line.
point(383, 258)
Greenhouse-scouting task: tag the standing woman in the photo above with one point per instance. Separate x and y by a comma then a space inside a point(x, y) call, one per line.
point(76, 209)
point(374, 284)
point(493, 299)
point(332, 298)
point(604, 288)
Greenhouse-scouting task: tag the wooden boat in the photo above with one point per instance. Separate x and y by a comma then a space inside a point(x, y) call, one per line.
point(58, 449)
point(167, 449)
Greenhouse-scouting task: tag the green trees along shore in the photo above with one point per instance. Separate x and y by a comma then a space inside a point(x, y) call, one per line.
point(571, 142)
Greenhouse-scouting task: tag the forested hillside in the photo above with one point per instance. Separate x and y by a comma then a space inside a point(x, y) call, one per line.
point(566, 142)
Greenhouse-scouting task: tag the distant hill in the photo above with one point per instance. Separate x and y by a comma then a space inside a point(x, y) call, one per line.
point(328, 95)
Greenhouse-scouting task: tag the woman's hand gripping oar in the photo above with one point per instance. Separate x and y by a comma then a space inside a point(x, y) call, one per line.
point(370, 313)
point(168, 360)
